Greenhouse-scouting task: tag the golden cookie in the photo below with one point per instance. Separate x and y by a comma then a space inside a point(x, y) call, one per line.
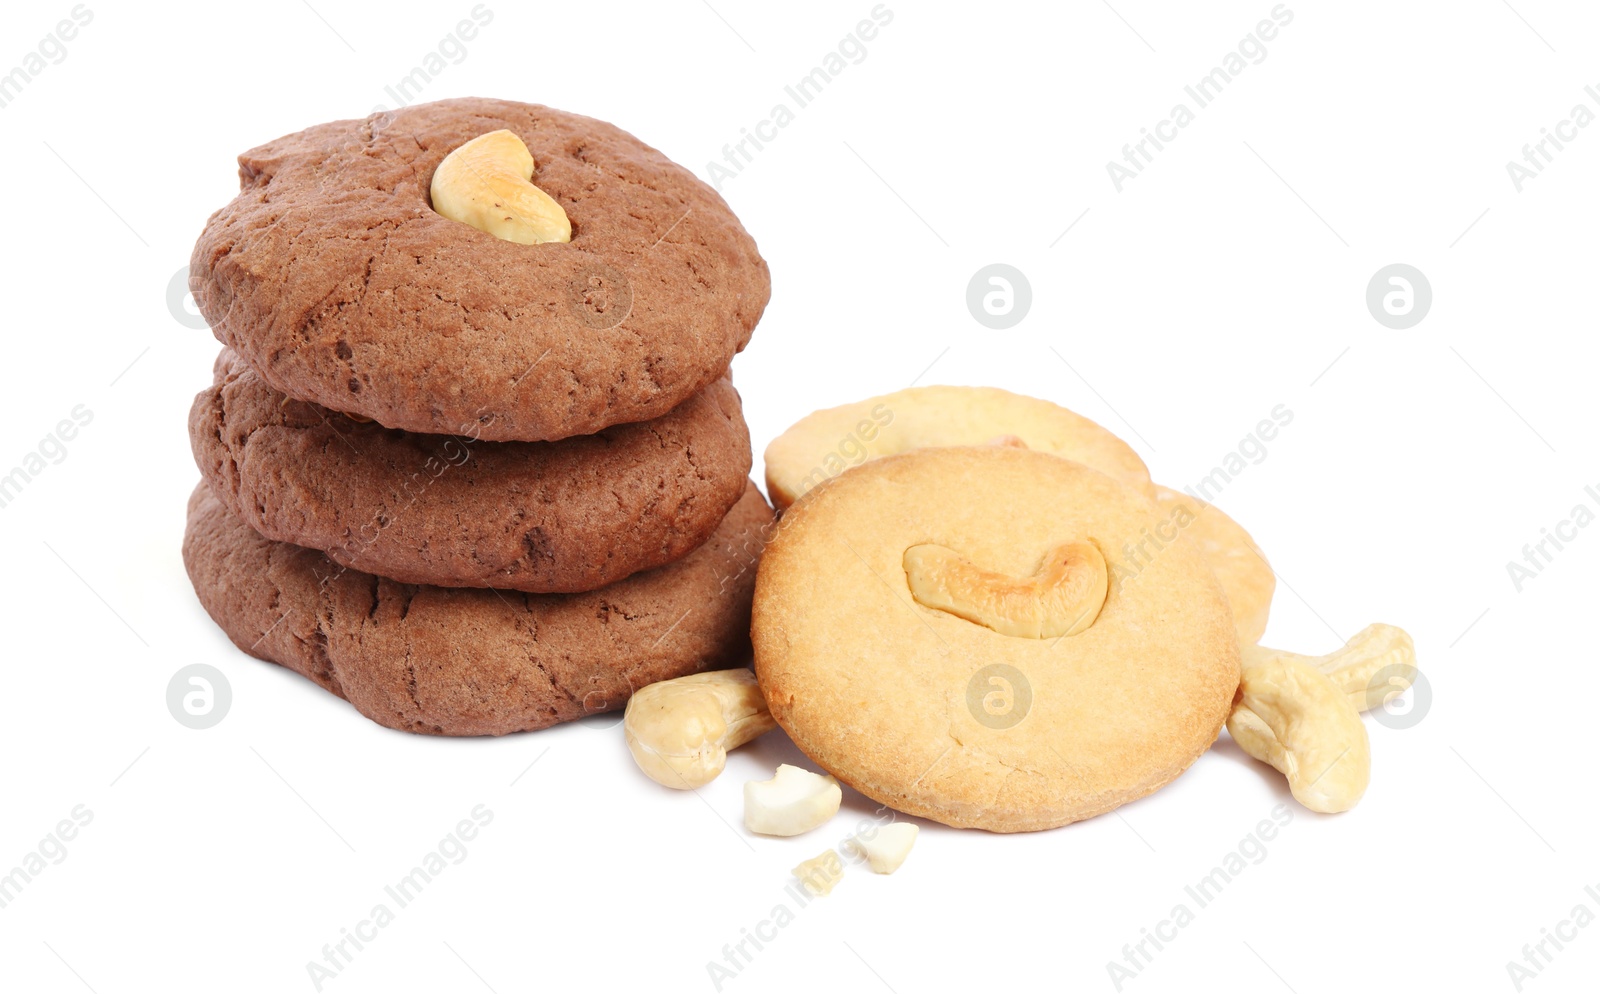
point(826, 443)
point(878, 619)
point(1235, 558)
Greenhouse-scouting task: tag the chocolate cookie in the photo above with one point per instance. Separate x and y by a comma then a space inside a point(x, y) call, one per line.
point(536, 516)
point(333, 276)
point(474, 662)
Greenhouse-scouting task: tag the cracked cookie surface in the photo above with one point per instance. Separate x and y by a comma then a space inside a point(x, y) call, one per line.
point(446, 661)
point(544, 517)
point(331, 274)
point(935, 715)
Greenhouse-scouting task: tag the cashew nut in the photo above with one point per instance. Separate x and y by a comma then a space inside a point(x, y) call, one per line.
point(886, 846)
point(820, 873)
point(488, 183)
point(1063, 597)
point(1376, 650)
point(680, 731)
point(1377, 664)
point(793, 802)
point(1293, 716)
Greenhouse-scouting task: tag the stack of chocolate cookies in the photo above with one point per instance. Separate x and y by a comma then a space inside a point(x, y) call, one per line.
point(472, 485)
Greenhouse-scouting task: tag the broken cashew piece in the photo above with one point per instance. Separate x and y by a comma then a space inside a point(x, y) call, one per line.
point(488, 184)
point(820, 873)
point(1376, 649)
point(1063, 597)
point(793, 802)
point(680, 731)
point(886, 846)
point(1295, 718)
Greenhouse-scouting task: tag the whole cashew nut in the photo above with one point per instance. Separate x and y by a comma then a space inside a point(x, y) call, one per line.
point(1275, 675)
point(488, 184)
point(1375, 649)
point(680, 731)
point(1295, 718)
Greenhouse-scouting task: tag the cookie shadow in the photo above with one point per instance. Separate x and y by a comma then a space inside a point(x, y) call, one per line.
point(1228, 749)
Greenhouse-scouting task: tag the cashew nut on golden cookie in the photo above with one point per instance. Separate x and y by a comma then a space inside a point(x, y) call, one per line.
point(829, 442)
point(940, 630)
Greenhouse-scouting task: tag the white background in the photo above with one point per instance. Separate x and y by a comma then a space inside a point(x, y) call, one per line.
point(1227, 279)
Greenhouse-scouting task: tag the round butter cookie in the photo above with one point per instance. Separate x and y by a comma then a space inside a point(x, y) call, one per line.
point(1233, 555)
point(955, 633)
point(544, 517)
point(447, 661)
point(828, 442)
point(332, 274)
